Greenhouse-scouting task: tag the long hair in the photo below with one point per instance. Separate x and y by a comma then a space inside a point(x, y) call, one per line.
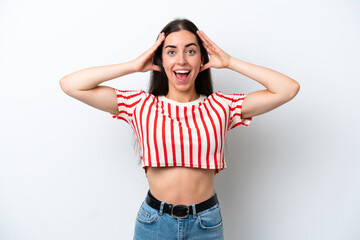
point(159, 81)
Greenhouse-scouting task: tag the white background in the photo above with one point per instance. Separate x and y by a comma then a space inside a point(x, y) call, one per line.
point(69, 171)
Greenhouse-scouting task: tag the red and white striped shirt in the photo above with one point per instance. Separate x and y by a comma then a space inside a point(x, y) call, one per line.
point(171, 133)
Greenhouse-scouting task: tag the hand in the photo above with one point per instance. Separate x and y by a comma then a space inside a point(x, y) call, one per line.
point(218, 58)
point(144, 62)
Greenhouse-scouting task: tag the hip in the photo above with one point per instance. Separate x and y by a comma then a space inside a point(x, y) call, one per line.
point(152, 223)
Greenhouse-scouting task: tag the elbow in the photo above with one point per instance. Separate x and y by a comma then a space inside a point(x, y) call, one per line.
point(290, 92)
point(295, 89)
point(64, 84)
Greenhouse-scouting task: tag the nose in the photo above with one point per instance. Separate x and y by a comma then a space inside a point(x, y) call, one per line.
point(181, 59)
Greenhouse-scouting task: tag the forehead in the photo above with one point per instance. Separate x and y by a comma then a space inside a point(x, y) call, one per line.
point(180, 38)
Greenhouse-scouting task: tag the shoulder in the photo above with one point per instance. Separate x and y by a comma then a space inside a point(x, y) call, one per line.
point(130, 95)
point(229, 97)
point(122, 93)
point(220, 96)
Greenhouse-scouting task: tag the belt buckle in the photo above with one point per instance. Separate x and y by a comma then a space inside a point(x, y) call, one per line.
point(183, 206)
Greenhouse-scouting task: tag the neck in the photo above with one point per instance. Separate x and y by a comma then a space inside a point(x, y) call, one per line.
point(183, 97)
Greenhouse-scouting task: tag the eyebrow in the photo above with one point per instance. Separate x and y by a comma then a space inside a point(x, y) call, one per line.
point(187, 45)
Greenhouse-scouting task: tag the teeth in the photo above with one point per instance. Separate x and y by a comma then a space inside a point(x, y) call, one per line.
point(182, 71)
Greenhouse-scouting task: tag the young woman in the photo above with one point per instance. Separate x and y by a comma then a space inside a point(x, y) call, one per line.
point(180, 124)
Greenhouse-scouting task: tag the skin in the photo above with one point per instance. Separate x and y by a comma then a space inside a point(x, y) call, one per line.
point(181, 51)
point(181, 185)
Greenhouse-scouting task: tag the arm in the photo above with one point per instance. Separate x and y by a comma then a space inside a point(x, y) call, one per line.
point(83, 84)
point(279, 88)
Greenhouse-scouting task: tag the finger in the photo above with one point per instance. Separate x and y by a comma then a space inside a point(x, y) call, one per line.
point(206, 66)
point(208, 40)
point(160, 39)
point(158, 42)
point(210, 45)
point(209, 48)
point(203, 40)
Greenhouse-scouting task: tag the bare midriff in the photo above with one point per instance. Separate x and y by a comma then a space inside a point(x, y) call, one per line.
point(181, 185)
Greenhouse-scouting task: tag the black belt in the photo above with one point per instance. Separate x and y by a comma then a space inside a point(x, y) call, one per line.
point(179, 210)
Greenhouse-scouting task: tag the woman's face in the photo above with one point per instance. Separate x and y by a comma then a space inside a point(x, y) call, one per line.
point(181, 59)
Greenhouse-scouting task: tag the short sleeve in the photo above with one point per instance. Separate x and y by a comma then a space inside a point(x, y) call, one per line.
point(235, 102)
point(127, 102)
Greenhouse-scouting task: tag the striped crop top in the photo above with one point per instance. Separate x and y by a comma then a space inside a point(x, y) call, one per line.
point(171, 133)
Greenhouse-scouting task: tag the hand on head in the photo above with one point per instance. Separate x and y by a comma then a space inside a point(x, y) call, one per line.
point(144, 62)
point(218, 58)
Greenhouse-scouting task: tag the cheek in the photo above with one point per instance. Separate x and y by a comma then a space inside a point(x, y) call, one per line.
point(196, 61)
point(164, 61)
point(196, 65)
point(167, 64)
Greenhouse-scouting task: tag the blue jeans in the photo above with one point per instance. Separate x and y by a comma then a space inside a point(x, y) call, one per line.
point(156, 225)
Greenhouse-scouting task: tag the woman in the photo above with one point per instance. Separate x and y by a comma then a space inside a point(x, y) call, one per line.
point(180, 124)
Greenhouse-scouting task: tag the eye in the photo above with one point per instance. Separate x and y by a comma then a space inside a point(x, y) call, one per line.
point(191, 51)
point(171, 52)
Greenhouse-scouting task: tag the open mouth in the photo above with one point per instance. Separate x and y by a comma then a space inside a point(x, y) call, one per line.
point(182, 74)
